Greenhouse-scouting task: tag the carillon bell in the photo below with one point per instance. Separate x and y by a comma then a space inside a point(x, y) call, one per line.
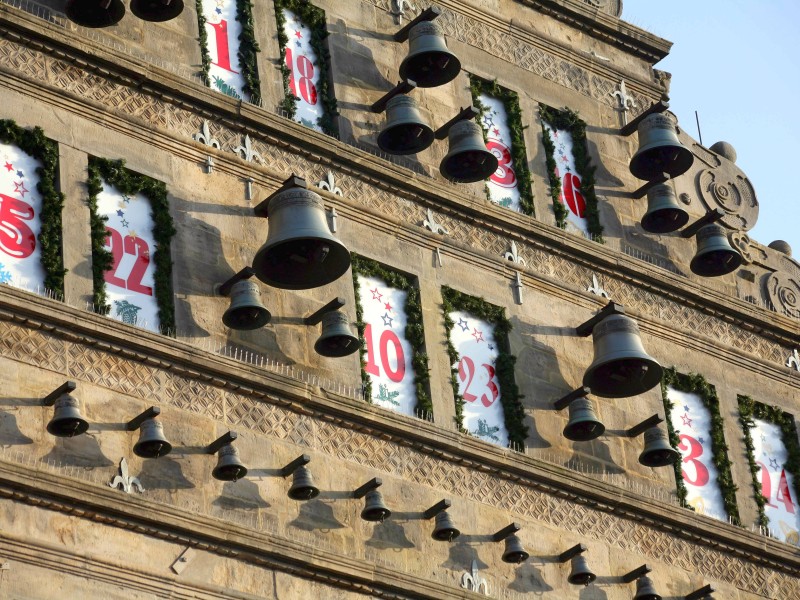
point(374, 508)
point(246, 311)
point(664, 213)
point(405, 131)
point(514, 552)
point(444, 530)
point(715, 256)
point(229, 467)
point(336, 339)
point(303, 487)
point(657, 450)
point(468, 160)
point(580, 574)
point(583, 423)
point(660, 151)
point(156, 11)
point(95, 13)
point(621, 367)
point(645, 589)
point(152, 443)
point(429, 63)
point(300, 253)
point(67, 420)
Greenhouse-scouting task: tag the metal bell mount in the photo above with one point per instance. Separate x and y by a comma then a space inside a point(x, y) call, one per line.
point(374, 509)
point(303, 487)
point(514, 552)
point(443, 530)
point(580, 573)
point(405, 131)
point(583, 424)
point(152, 443)
point(429, 62)
point(657, 450)
point(715, 256)
point(300, 252)
point(67, 420)
point(246, 311)
point(621, 368)
point(645, 590)
point(229, 467)
point(156, 11)
point(337, 338)
point(468, 160)
point(95, 13)
point(704, 593)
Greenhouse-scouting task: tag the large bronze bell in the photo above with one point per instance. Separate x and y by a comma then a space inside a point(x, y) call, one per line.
point(156, 11)
point(374, 508)
point(95, 13)
point(645, 589)
point(152, 443)
point(246, 311)
point(514, 552)
point(336, 338)
point(67, 420)
point(303, 487)
point(657, 450)
point(444, 530)
point(583, 423)
point(621, 368)
point(715, 256)
point(664, 213)
point(429, 63)
point(300, 253)
point(405, 132)
point(468, 160)
point(660, 151)
point(580, 573)
point(229, 467)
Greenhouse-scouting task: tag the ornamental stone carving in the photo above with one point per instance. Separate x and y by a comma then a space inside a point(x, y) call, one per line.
point(744, 245)
point(727, 188)
point(783, 291)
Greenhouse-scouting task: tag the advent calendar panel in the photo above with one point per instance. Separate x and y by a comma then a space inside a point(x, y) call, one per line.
point(691, 420)
point(223, 31)
point(571, 196)
point(503, 184)
point(304, 75)
point(20, 224)
point(474, 341)
point(388, 352)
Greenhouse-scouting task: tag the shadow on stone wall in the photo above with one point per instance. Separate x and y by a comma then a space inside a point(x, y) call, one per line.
point(10, 434)
point(389, 535)
point(240, 495)
point(316, 514)
point(79, 451)
point(165, 474)
point(461, 553)
point(528, 579)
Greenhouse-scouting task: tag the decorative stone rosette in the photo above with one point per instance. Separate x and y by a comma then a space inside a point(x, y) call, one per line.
point(727, 188)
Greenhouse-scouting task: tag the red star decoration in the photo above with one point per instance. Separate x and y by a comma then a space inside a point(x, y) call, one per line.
point(9, 166)
point(376, 295)
point(565, 159)
point(478, 335)
point(555, 133)
point(496, 131)
point(686, 420)
point(20, 188)
point(298, 34)
point(387, 306)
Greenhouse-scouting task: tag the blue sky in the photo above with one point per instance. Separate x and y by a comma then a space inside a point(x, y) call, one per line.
point(737, 63)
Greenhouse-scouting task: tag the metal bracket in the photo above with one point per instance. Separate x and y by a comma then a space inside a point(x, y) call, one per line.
point(562, 403)
point(636, 573)
point(639, 429)
point(506, 531)
point(434, 510)
point(612, 308)
point(402, 87)
point(710, 217)
point(429, 14)
point(372, 484)
point(136, 422)
point(301, 460)
point(466, 113)
point(701, 593)
point(183, 560)
point(225, 288)
point(657, 107)
point(292, 182)
point(64, 388)
point(642, 191)
point(221, 441)
point(518, 287)
point(209, 165)
point(572, 553)
point(316, 318)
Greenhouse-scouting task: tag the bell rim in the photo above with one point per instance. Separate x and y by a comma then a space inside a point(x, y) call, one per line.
point(320, 343)
point(639, 165)
point(240, 468)
point(313, 493)
point(651, 380)
point(263, 319)
point(83, 427)
point(674, 454)
point(450, 72)
point(683, 218)
point(114, 16)
point(454, 533)
point(696, 264)
point(339, 253)
point(426, 140)
point(165, 444)
point(568, 433)
point(583, 579)
point(367, 514)
point(491, 161)
point(522, 554)
point(177, 7)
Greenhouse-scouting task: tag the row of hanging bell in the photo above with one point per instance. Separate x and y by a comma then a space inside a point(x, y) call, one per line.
point(660, 150)
point(104, 13)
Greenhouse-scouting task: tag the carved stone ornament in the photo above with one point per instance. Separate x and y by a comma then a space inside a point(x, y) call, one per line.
point(125, 481)
point(329, 184)
point(727, 188)
point(246, 151)
point(793, 362)
point(783, 291)
point(431, 224)
point(398, 10)
point(204, 137)
point(596, 289)
point(513, 255)
point(742, 242)
point(626, 101)
point(473, 582)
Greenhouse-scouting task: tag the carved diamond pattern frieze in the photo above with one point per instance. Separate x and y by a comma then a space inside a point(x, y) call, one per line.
point(23, 59)
point(32, 347)
point(783, 586)
point(603, 88)
point(194, 396)
point(113, 372)
point(303, 433)
point(252, 414)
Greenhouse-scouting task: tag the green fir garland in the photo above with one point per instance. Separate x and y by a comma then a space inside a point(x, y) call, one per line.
point(569, 120)
point(414, 331)
point(513, 411)
point(749, 410)
point(202, 37)
point(697, 384)
point(519, 156)
point(313, 18)
point(34, 143)
point(114, 173)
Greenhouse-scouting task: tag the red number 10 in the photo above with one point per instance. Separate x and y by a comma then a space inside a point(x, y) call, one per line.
point(387, 337)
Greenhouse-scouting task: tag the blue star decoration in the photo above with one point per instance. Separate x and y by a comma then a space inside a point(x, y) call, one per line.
point(298, 44)
point(125, 223)
point(685, 408)
point(120, 213)
point(773, 463)
point(126, 199)
point(5, 276)
point(20, 174)
point(387, 320)
point(218, 10)
point(701, 440)
point(463, 324)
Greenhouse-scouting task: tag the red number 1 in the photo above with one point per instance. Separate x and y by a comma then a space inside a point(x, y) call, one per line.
point(223, 48)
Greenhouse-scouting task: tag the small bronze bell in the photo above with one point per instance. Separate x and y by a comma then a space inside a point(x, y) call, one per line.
point(468, 160)
point(715, 256)
point(514, 552)
point(583, 423)
point(336, 339)
point(580, 573)
point(229, 467)
point(429, 63)
point(374, 508)
point(95, 13)
point(156, 11)
point(657, 450)
point(67, 420)
point(444, 530)
point(152, 443)
point(405, 132)
point(303, 487)
point(645, 589)
point(660, 151)
point(664, 213)
point(246, 311)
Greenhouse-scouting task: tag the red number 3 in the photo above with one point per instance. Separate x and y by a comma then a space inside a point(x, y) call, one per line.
point(504, 175)
point(692, 452)
point(16, 238)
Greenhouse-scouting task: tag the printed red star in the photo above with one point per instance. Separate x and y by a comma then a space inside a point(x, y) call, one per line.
point(496, 131)
point(555, 133)
point(298, 34)
point(686, 420)
point(387, 306)
point(9, 166)
point(565, 159)
point(376, 295)
point(478, 335)
point(20, 188)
